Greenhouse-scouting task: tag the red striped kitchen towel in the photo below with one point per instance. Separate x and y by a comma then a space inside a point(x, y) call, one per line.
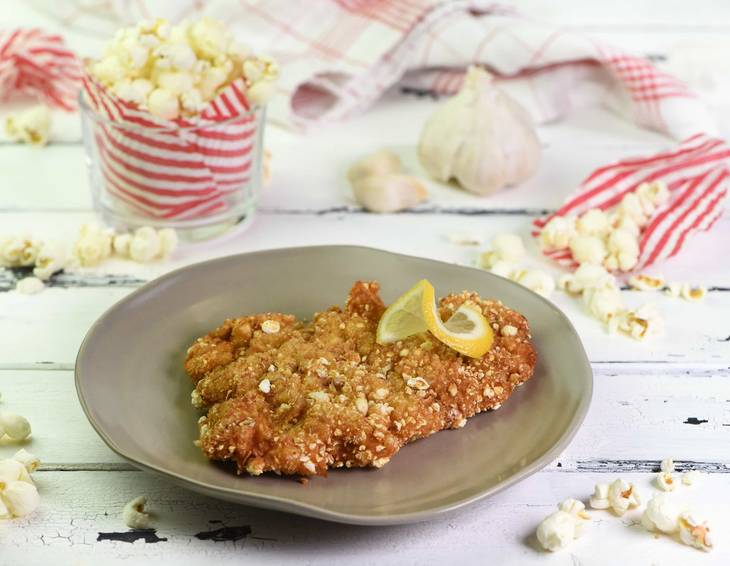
point(696, 174)
point(176, 169)
point(39, 65)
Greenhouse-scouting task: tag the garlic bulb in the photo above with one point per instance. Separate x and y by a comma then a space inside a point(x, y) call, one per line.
point(481, 138)
point(388, 192)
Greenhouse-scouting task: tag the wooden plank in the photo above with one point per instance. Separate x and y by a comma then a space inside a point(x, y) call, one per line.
point(79, 508)
point(653, 411)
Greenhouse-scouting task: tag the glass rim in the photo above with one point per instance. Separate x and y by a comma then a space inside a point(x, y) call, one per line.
point(88, 110)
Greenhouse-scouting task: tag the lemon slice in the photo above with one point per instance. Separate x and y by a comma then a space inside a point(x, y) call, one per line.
point(404, 317)
point(466, 331)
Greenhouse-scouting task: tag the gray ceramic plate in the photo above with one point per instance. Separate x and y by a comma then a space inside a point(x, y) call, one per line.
point(132, 387)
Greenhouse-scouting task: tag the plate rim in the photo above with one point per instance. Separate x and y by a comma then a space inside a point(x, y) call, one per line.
point(306, 509)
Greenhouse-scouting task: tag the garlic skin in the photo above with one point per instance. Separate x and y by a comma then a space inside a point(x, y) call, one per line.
point(481, 138)
point(389, 192)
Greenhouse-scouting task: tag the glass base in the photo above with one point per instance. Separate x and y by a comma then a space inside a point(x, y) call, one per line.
point(199, 230)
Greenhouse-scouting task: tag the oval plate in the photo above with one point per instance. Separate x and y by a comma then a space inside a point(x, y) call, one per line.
point(132, 387)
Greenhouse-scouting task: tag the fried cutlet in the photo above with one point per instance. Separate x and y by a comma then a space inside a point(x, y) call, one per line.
point(294, 397)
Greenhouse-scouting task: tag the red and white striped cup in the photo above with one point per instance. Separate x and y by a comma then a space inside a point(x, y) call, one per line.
point(180, 173)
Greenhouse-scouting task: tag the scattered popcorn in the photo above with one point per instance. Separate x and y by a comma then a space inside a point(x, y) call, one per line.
point(19, 498)
point(14, 426)
point(623, 250)
point(620, 222)
point(464, 239)
point(643, 282)
point(694, 533)
point(588, 249)
point(665, 481)
point(631, 207)
point(18, 495)
point(12, 470)
point(271, 326)
point(691, 477)
point(145, 244)
point(93, 245)
point(599, 499)
point(622, 496)
point(692, 294)
point(536, 280)
point(557, 233)
point(18, 251)
point(667, 465)
point(121, 243)
point(559, 529)
point(660, 515)
point(29, 286)
point(31, 126)
point(28, 460)
point(594, 222)
point(177, 70)
point(508, 247)
point(502, 268)
point(265, 386)
point(602, 303)
point(51, 259)
point(575, 508)
point(587, 276)
point(133, 514)
point(168, 242)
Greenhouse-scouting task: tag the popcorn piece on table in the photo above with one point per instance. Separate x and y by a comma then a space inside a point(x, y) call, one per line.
point(588, 249)
point(32, 126)
point(18, 251)
point(594, 222)
point(642, 282)
point(134, 515)
point(557, 233)
point(622, 496)
point(665, 481)
point(692, 294)
point(18, 495)
point(94, 245)
point(51, 259)
point(28, 460)
point(587, 276)
point(693, 532)
point(666, 465)
point(535, 280)
point(599, 499)
point(145, 244)
point(559, 529)
point(15, 427)
point(639, 324)
point(673, 290)
point(602, 303)
point(661, 515)
point(30, 286)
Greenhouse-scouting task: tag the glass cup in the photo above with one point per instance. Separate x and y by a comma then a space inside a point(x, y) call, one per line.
point(199, 180)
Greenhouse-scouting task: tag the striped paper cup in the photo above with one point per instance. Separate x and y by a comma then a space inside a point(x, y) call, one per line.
point(188, 174)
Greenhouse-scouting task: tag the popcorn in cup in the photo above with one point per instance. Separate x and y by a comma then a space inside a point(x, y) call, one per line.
point(173, 122)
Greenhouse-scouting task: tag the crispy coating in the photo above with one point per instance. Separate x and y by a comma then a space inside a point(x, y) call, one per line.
point(324, 394)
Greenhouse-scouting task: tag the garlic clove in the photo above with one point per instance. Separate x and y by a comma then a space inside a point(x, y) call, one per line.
point(481, 138)
point(379, 163)
point(388, 192)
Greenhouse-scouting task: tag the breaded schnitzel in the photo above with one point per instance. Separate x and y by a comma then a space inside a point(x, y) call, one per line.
point(298, 398)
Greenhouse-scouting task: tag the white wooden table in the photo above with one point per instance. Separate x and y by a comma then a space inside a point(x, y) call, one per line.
point(669, 397)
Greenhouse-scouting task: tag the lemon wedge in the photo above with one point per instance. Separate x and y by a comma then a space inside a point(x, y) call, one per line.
point(466, 331)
